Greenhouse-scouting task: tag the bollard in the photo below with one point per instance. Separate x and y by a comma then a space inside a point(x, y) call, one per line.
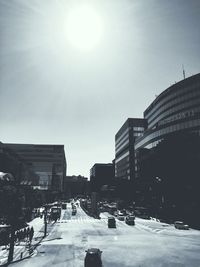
point(21, 255)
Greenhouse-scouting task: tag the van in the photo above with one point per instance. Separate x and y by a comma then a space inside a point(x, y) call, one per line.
point(111, 222)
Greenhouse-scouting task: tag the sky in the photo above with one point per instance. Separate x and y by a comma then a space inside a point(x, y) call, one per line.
point(55, 91)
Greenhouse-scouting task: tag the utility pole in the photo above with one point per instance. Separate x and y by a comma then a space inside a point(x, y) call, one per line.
point(12, 244)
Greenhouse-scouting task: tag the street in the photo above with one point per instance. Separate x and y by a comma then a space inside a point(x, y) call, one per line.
point(148, 243)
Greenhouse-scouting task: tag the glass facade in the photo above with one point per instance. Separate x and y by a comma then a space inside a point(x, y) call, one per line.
point(160, 154)
point(167, 153)
point(124, 147)
point(47, 161)
point(176, 109)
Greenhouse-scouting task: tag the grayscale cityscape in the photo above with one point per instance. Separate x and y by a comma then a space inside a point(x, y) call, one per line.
point(99, 133)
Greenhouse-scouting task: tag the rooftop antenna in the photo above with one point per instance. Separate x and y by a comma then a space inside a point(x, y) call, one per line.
point(183, 71)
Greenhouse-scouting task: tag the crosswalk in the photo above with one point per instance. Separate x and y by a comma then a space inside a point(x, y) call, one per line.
point(82, 220)
point(148, 228)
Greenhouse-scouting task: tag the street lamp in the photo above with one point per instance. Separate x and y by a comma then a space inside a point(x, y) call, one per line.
point(159, 181)
point(45, 220)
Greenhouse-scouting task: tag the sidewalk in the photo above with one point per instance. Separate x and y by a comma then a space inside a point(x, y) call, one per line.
point(23, 249)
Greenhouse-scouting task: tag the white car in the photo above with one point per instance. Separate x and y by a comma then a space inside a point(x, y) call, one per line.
point(181, 226)
point(120, 213)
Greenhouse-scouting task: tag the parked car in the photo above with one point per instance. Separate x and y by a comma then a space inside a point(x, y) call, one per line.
point(130, 220)
point(93, 258)
point(111, 222)
point(181, 226)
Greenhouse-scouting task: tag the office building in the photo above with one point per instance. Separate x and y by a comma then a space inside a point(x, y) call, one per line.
point(124, 148)
point(101, 174)
point(167, 154)
point(10, 162)
point(163, 159)
point(46, 161)
point(75, 186)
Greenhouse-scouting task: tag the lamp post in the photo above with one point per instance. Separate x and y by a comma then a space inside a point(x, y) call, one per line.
point(45, 221)
point(162, 199)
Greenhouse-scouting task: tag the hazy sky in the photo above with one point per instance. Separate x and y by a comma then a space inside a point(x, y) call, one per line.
point(52, 92)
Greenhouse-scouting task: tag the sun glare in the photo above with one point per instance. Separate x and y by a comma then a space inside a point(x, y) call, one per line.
point(84, 28)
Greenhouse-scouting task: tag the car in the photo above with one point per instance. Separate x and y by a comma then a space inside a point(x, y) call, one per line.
point(120, 213)
point(144, 216)
point(64, 206)
point(120, 217)
point(115, 213)
point(74, 212)
point(55, 213)
point(131, 213)
point(102, 209)
point(181, 226)
point(130, 220)
point(93, 258)
point(111, 222)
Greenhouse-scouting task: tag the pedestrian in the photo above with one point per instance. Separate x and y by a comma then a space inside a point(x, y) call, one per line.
point(24, 233)
point(27, 232)
point(20, 235)
point(31, 234)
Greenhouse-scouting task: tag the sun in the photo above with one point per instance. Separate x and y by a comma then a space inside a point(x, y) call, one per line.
point(84, 27)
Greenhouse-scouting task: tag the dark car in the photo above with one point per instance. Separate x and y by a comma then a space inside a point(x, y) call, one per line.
point(181, 226)
point(93, 258)
point(130, 220)
point(74, 212)
point(64, 206)
point(111, 222)
point(144, 216)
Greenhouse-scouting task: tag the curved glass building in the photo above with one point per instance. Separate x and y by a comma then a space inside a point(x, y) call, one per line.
point(175, 109)
point(167, 154)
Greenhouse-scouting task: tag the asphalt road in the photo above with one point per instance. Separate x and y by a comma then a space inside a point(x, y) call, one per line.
point(148, 243)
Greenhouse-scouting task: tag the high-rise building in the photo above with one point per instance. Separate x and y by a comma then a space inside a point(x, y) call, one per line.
point(167, 154)
point(124, 147)
point(163, 157)
point(46, 161)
